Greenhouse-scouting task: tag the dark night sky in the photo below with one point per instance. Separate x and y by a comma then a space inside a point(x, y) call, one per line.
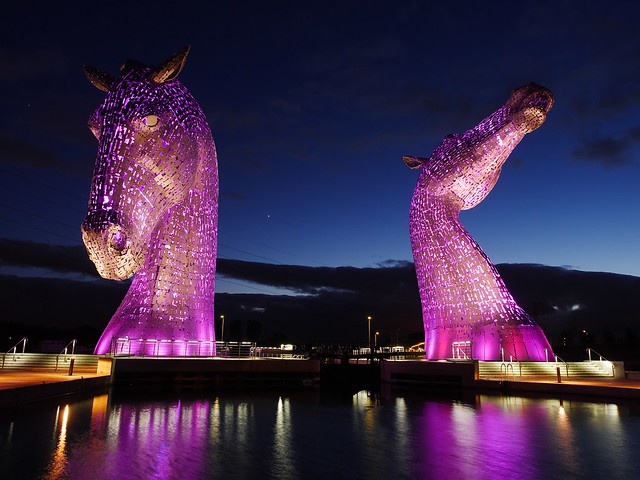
point(313, 104)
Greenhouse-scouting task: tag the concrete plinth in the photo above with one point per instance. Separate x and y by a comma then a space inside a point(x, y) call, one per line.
point(425, 373)
point(216, 373)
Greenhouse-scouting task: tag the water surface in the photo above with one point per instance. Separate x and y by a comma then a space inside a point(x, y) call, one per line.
point(313, 435)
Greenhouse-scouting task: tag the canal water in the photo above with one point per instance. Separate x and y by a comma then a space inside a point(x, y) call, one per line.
point(318, 435)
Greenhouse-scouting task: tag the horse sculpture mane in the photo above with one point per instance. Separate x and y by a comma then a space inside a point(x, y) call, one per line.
point(466, 307)
point(153, 209)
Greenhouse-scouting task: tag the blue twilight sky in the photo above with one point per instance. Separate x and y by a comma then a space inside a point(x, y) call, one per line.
point(313, 104)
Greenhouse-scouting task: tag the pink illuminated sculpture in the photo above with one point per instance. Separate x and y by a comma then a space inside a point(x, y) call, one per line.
point(466, 308)
point(153, 210)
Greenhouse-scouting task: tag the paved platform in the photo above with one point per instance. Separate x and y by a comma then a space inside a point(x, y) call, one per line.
point(455, 374)
point(19, 379)
point(592, 387)
point(23, 387)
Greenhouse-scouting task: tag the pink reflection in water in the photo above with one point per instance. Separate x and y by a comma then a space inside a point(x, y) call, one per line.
point(148, 441)
point(317, 436)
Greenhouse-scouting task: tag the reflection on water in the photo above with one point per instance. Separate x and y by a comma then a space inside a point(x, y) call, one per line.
point(315, 435)
point(58, 462)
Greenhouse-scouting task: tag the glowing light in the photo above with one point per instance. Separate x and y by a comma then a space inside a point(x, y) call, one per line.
point(154, 138)
point(463, 297)
point(58, 464)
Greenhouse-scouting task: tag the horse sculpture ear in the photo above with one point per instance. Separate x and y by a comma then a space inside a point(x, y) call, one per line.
point(414, 162)
point(172, 67)
point(98, 78)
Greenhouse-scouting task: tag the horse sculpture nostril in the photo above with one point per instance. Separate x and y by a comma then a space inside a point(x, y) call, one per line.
point(117, 241)
point(542, 99)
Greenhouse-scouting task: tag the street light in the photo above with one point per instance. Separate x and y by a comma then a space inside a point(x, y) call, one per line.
point(222, 331)
point(376, 341)
point(369, 332)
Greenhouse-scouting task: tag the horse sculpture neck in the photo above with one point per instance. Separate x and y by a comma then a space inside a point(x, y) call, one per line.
point(172, 294)
point(463, 297)
point(153, 209)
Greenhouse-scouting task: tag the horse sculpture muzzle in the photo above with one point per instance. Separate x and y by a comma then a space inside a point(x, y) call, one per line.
point(109, 246)
point(528, 106)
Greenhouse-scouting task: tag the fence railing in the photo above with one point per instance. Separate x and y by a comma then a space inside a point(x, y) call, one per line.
point(566, 366)
point(151, 347)
point(591, 350)
point(65, 352)
point(603, 361)
point(12, 350)
point(512, 357)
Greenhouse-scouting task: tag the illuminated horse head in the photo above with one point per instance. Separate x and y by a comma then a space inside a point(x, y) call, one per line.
point(465, 303)
point(153, 207)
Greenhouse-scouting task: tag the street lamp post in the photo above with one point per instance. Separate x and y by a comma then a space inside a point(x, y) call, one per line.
point(222, 331)
point(369, 333)
point(376, 341)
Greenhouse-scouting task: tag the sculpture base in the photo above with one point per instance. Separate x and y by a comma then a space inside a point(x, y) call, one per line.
point(488, 342)
point(157, 347)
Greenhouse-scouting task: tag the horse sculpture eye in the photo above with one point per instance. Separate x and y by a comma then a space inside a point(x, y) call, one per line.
point(118, 242)
point(150, 120)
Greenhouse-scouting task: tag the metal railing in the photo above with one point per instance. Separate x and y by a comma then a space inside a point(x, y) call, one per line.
point(512, 357)
point(65, 352)
point(151, 347)
point(14, 348)
point(504, 369)
point(462, 350)
point(566, 365)
point(602, 359)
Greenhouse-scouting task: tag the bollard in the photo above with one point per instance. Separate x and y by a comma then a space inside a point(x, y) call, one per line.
point(71, 362)
point(558, 374)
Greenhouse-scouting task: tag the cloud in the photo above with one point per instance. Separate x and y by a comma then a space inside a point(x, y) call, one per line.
point(59, 302)
point(394, 278)
point(610, 151)
point(399, 276)
point(335, 304)
point(55, 258)
point(233, 195)
point(606, 300)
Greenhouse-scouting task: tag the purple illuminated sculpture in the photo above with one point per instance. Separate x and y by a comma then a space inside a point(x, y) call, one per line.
point(466, 308)
point(153, 209)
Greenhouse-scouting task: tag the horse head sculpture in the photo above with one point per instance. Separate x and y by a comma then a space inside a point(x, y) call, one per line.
point(466, 308)
point(153, 207)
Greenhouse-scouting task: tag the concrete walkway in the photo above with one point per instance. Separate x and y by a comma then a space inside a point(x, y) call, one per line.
point(19, 388)
point(18, 379)
point(593, 387)
point(596, 382)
